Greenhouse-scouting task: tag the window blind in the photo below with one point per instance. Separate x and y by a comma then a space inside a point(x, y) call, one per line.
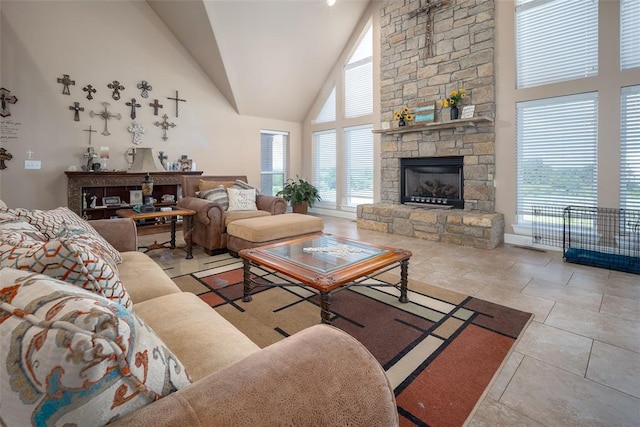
point(359, 165)
point(629, 34)
point(556, 152)
point(556, 40)
point(630, 148)
point(358, 78)
point(324, 164)
point(273, 161)
point(328, 112)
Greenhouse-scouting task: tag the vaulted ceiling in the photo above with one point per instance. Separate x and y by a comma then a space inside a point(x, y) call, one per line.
point(269, 58)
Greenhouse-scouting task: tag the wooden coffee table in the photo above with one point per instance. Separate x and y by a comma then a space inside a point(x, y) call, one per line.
point(172, 216)
point(325, 263)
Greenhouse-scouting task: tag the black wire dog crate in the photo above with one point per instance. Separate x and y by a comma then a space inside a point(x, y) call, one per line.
point(602, 237)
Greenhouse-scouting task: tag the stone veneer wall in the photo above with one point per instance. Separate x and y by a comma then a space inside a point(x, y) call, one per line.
point(463, 53)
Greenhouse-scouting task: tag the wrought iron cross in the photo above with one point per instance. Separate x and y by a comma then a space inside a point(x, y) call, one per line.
point(76, 108)
point(155, 104)
point(90, 90)
point(105, 115)
point(162, 158)
point(177, 100)
point(66, 81)
point(6, 99)
point(165, 125)
point(428, 9)
point(116, 87)
point(4, 156)
point(90, 132)
point(145, 87)
point(133, 106)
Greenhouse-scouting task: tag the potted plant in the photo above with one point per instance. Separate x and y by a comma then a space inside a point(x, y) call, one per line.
point(300, 193)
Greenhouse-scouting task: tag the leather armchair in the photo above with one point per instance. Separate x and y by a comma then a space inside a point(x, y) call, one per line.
point(211, 220)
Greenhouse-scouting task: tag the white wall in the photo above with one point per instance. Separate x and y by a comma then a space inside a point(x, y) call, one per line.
point(96, 42)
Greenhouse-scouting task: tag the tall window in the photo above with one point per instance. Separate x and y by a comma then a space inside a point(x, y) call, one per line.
point(358, 142)
point(273, 161)
point(556, 40)
point(630, 148)
point(324, 150)
point(358, 79)
point(557, 141)
point(629, 34)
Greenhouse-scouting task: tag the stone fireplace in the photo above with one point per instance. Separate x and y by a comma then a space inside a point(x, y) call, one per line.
point(432, 182)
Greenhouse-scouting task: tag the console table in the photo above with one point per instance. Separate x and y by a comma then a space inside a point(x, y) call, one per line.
point(116, 184)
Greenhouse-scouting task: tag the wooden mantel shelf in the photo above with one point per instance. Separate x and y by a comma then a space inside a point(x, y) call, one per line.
point(461, 123)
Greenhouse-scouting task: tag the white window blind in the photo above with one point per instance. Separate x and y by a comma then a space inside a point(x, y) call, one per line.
point(358, 79)
point(630, 148)
point(324, 164)
point(273, 161)
point(328, 112)
point(629, 34)
point(359, 167)
point(557, 152)
point(556, 40)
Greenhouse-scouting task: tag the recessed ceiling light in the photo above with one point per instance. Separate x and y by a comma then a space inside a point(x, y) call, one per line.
point(331, 2)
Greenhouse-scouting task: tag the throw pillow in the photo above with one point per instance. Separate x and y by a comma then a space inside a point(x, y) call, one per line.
point(70, 357)
point(51, 222)
point(217, 195)
point(20, 233)
point(242, 200)
point(208, 185)
point(70, 259)
point(244, 186)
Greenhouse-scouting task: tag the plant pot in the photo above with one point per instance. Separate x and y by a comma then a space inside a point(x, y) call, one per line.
point(300, 208)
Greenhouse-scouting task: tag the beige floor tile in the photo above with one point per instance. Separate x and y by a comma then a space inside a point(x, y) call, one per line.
point(555, 397)
point(601, 327)
point(625, 308)
point(550, 273)
point(589, 300)
point(540, 307)
point(615, 367)
point(556, 347)
point(491, 414)
point(504, 376)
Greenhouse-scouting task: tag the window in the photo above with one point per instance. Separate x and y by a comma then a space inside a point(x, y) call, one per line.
point(358, 79)
point(556, 40)
point(328, 112)
point(273, 161)
point(358, 143)
point(324, 173)
point(630, 148)
point(629, 34)
point(556, 152)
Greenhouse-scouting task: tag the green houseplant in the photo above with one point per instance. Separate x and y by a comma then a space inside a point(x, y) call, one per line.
point(300, 193)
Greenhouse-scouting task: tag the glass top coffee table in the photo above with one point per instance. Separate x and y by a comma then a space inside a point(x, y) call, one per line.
point(325, 263)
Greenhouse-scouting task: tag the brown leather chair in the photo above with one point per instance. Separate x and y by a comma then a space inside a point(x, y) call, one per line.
point(211, 220)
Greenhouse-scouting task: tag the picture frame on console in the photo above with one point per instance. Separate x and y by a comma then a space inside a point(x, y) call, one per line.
point(425, 112)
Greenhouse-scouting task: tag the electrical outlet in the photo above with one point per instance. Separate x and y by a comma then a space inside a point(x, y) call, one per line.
point(32, 164)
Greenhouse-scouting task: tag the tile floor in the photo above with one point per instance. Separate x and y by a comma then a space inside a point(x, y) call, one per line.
point(578, 363)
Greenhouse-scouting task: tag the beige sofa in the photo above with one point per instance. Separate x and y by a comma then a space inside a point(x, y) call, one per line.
point(320, 376)
point(211, 219)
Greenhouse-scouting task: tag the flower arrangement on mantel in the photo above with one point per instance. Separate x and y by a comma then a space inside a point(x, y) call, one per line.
point(452, 101)
point(403, 116)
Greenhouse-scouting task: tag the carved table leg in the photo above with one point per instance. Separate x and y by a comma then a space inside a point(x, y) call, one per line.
point(404, 272)
point(246, 297)
point(187, 233)
point(325, 314)
point(172, 242)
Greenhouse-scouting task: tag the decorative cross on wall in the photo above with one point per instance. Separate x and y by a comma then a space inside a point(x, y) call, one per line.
point(90, 90)
point(429, 9)
point(155, 106)
point(162, 158)
point(76, 108)
point(133, 106)
point(66, 81)
point(116, 87)
point(6, 99)
point(137, 130)
point(145, 87)
point(177, 100)
point(105, 115)
point(4, 156)
point(165, 125)
point(90, 132)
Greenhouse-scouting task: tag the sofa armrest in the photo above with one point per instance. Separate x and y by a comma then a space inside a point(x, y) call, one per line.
point(274, 205)
point(121, 233)
point(206, 211)
point(320, 376)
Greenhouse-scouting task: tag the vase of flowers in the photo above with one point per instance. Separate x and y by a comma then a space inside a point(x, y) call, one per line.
point(452, 101)
point(402, 116)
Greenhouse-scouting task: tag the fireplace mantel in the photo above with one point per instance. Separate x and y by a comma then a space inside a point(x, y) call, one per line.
point(426, 127)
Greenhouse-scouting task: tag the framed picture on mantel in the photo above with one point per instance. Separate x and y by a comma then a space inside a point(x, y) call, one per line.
point(425, 113)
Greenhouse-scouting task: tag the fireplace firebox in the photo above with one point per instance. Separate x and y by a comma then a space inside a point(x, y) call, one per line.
point(435, 181)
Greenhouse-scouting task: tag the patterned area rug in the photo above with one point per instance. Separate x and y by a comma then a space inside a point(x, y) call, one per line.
point(441, 350)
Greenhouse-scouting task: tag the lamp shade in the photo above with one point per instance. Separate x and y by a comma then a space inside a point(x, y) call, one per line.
point(145, 161)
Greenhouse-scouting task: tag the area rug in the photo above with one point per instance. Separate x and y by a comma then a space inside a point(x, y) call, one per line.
point(440, 351)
